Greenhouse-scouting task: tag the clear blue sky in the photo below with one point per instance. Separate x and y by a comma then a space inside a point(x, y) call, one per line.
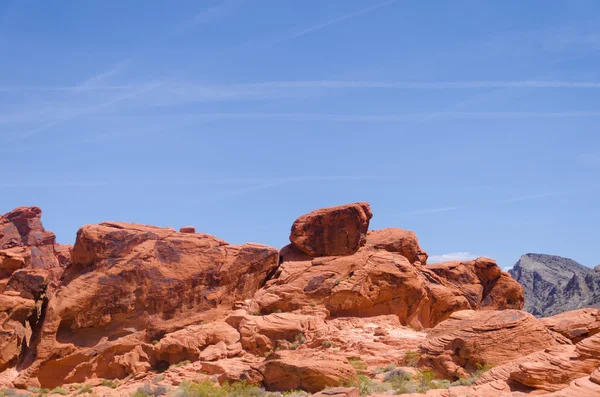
point(473, 123)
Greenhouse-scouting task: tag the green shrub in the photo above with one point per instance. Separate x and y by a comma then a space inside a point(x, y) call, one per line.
point(181, 364)
point(155, 342)
point(84, 389)
point(468, 381)
point(209, 389)
point(383, 370)
point(411, 358)
point(357, 363)
point(59, 390)
point(327, 344)
point(367, 386)
point(397, 375)
point(113, 384)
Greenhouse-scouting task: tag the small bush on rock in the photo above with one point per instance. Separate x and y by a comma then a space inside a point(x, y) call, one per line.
point(411, 358)
point(358, 364)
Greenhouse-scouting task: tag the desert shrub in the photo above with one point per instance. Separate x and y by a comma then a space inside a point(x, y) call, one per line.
point(59, 390)
point(12, 393)
point(411, 358)
point(84, 389)
point(404, 387)
point(300, 339)
point(382, 370)
point(155, 342)
point(468, 381)
point(327, 344)
point(210, 389)
point(426, 381)
point(147, 390)
point(113, 384)
point(357, 363)
point(181, 364)
point(367, 386)
point(397, 375)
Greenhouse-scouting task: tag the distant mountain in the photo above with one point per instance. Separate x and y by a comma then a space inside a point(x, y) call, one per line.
point(554, 284)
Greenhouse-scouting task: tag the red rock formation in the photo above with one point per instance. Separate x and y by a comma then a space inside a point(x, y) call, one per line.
point(374, 282)
point(575, 325)
point(130, 284)
point(311, 371)
point(467, 338)
point(135, 299)
point(397, 240)
point(331, 231)
point(30, 260)
point(483, 282)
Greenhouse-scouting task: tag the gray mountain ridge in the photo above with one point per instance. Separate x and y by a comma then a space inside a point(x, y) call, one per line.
point(554, 284)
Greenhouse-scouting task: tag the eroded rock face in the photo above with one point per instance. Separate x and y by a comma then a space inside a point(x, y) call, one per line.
point(374, 282)
point(31, 263)
point(575, 325)
point(134, 300)
point(310, 371)
point(550, 370)
point(332, 231)
point(206, 342)
point(398, 240)
point(468, 338)
point(128, 285)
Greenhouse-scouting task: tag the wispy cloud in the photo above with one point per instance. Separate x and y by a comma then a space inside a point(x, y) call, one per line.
point(191, 86)
point(530, 197)
point(101, 78)
point(82, 112)
point(339, 19)
point(51, 185)
point(452, 256)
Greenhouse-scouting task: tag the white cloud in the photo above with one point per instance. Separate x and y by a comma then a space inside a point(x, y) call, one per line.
point(452, 256)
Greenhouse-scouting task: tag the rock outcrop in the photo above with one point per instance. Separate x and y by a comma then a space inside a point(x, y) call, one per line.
point(340, 312)
point(554, 284)
point(332, 231)
point(313, 372)
point(469, 338)
point(128, 285)
point(31, 263)
point(575, 325)
point(374, 281)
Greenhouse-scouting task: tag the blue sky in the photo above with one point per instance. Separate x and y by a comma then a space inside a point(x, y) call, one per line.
point(473, 123)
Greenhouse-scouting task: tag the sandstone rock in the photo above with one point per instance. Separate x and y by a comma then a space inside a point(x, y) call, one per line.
point(23, 227)
point(207, 342)
point(14, 313)
point(575, 325)
point(133, 282)
point(397, 240)
point(375, 282)
point(187, 229)
point(29, 260)
point(483, 282)
point(456, 346)
point(587, 386)
point(290, 370)
point(330, 231)
point(260, 334)
point(29, 283)
point(550, 370)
